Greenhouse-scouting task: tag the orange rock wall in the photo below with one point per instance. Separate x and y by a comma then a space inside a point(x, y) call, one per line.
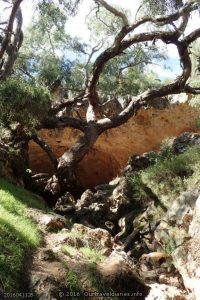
point(109, 155)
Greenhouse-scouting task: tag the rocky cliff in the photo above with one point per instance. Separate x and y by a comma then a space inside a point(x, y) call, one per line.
point(134, 238)
point(137, 235)
point(110, 153)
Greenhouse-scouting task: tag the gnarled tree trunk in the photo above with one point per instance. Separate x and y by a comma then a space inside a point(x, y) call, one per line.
point(64, 178)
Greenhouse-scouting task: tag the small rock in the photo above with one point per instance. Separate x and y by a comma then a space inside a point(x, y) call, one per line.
point(155, 258)
point(170, 280)
point(87, 198)
point(65, 204)
point(46, 254)
point(55, 224)
point(97, 238)
point(181, 143)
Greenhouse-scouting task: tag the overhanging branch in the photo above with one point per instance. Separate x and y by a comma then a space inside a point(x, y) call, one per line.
point(114, 11)
point(39, 140)
point(62, 122)
point(179, 85)
point(120, 44)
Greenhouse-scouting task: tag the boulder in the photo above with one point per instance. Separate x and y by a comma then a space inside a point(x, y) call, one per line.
point(47, 280)
point(50, 222)
point(93, 209)
point(120, 200)
point(87, 198)
point(140, 162)
point(181, 143)
point(182, 206)
point(173, 229)
point(178, 233)
point(98, 238)
point(65, 204)
point(119, 273)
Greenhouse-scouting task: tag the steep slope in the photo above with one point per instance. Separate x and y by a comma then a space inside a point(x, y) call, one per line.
point(19, 236)
point(137, 235)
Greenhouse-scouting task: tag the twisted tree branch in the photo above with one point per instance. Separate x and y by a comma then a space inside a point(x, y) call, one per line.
point(39, 140)
point(114, 11)
point(119, 44)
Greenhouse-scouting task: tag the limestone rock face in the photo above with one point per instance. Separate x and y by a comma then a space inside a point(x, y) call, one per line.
point(187, 256)
point(110, 154)
point(121, 198)
point(181, 227)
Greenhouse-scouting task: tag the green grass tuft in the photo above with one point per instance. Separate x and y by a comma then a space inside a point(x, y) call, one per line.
point(92, 254)
point(73, 282)
point(18, 234)
point(69, 250)
point(173, 175)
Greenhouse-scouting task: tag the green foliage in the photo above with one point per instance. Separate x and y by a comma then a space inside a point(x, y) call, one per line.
point(46, 46)
point(18, 235)
point(139, 193)
point(50, 68)
point(156, 7)
point(104, 24)
point(23, 102)
point(51, 16)
point(166, 150)
point(165, 179)
point(127, 74)
point(170, 246)
point(73, 282)
point(69, 250)
point(49, 53)
point(172, 175)
point(92, 254)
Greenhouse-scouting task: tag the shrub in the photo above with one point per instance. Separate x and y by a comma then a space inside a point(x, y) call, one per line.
point(172, 175)
point(23, 102)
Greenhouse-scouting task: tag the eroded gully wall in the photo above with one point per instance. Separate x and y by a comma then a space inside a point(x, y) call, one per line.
point(109, 155)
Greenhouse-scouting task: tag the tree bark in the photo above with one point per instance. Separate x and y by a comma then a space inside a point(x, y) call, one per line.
point(13, 47)
point(38, 140)
point(64, 178)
